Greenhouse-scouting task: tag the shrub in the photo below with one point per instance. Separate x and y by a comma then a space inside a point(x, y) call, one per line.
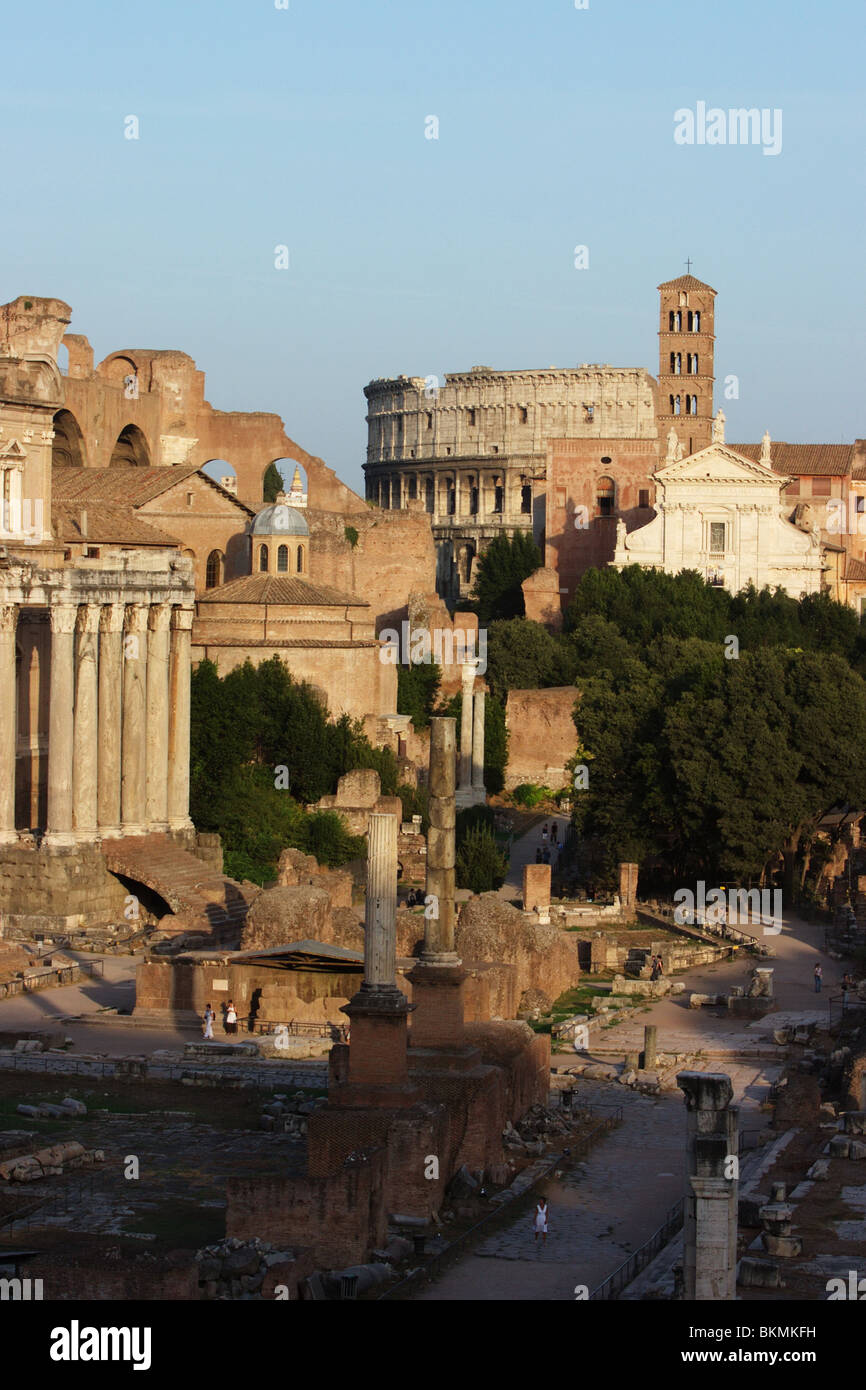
point(530, 794)
point(481, 865)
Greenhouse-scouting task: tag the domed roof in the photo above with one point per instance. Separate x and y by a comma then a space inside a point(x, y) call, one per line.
point(279, 520)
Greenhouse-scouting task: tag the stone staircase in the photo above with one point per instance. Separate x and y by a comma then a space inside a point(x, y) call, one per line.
point(203, 899)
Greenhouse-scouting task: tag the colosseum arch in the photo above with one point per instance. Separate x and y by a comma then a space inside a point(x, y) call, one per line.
point(67, 448)
point(130, 450)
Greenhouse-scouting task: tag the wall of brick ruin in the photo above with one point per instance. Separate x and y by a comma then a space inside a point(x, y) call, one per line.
point(63, 887)
point(541, 736)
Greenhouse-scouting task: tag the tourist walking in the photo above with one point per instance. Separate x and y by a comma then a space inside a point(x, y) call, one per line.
point(209, 1017)
point(819, 975)
point(656, 969)
point(544, 831)
point(541, 1220)
point(231, 1018)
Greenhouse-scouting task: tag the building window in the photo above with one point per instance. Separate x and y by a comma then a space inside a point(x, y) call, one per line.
point(590, 412)
point(690, 321)
point(526, 500)
point(452, 499)
point(696, 326)
point(717, 538)
point(678, 322)
point(643, 497)
point(413, 486)
point(691, 405)
point(283, 560)
point(676, 363)
point(471, 418)
point(524, 414)
point(693, 364)
point(671, 321)
point(497, 499)
point(822, 487)
point(793, 488)
point(92, 553)
point(300, 559)
point(263, 557)
point(212, 570)
point(473, 501)
point(448, 448)
point(675, 402)
point(429, 496)
point(861, 504)
point(605, 496)
point(429, 419)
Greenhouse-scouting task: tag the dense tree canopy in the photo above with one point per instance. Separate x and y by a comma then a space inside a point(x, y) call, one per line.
point(501, 570)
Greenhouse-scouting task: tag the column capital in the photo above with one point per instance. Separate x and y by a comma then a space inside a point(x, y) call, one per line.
point(136, 617)
point(88, 618)
point(159, 617)
point(112, 617)
point(182, 618)
point(8, 617)
point(63, 617)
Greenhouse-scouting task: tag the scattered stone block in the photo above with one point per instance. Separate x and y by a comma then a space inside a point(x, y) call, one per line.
point(855, 1121)
point(73, 1107)
point(857, 1149)
point(820, 1170)
point(759, 1274)
point(839, 1146)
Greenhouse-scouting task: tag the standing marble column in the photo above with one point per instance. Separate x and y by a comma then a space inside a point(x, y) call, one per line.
point(179, 712)
point(8, 721)
point(710, 1216)
point(85, 739)
point(156, 810)
point(60, 725)
point(478, 744)
point(468, 679)
point(380, 918)
point(133, 775)
point(110, 726)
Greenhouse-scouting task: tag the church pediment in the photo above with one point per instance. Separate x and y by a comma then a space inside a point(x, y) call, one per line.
point(718, 463)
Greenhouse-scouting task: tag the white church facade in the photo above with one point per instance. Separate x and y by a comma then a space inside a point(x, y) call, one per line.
point(723, 515)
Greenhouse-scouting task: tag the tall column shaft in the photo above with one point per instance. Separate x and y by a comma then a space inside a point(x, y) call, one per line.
point(179, 712)
point(60, 725)
point(133, 784)
point(85, 752)
point(8, 721)
point(380, 920)
point(110, 726)
point(478, 742)
point(156, 809)
point(439, 924)
point(468, 676)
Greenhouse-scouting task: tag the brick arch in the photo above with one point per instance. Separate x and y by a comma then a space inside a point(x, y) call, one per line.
point(131, 449)
point(67, 448)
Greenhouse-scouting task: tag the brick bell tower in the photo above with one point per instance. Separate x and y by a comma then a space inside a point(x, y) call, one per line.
point(686, 372)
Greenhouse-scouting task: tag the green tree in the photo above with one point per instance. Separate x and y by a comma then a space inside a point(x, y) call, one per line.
point(501, 570)
point(272, 483)
point(481, 865)
point(523, 655)
point(417, 689)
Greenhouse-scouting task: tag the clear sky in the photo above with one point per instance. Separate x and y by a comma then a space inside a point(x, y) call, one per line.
point(305, 127)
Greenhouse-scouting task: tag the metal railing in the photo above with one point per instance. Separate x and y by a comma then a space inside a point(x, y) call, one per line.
point(614, 1284)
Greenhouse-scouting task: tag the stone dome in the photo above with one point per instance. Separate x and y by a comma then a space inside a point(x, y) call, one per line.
point(279, 520)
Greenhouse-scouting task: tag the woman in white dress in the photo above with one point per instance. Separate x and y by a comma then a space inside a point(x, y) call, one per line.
point(541, 1220)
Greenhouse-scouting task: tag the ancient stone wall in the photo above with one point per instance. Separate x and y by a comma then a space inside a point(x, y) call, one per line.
point(541, 736)
point(60, 887)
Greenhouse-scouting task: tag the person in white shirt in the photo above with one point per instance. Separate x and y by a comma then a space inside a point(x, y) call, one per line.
point(541, 1220)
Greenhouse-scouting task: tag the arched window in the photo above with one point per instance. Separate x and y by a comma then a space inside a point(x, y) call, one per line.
point(263, 557)
point(690, 321)
point(605, 496)
point(678, 321)
point(696, 325)
point(676, 405)
point(671, 321)
point(300, 559)
point(213, 572)
point(283, 560)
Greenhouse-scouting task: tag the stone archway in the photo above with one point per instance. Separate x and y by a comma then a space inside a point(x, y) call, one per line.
point(67, 447)
point(130, 450)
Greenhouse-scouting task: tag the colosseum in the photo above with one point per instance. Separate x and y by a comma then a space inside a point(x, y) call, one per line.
point(473, 452)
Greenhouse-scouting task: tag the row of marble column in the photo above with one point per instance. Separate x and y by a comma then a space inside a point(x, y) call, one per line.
point(471, 737)
point(119, 711)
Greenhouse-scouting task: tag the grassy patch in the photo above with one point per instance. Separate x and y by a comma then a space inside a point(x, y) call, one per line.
point(181, 1225)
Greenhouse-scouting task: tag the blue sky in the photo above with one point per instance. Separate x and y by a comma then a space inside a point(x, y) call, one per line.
point(305, 127)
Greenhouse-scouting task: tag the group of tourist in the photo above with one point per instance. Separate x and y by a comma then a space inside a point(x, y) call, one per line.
point(230, 1021)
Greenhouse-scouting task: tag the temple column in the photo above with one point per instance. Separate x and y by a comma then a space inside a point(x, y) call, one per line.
point(61, 724)
point(180, 667)
point(478, 743)
point(85, 739)
point(378, 1012)
point(156, 809)
point(468, 678)
point(110, 727)
point(133, 775)
point(9, 721)
point(438, 978)
point(710, 1215)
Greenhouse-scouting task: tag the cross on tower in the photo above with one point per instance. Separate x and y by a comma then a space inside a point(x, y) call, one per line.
point(688, 265)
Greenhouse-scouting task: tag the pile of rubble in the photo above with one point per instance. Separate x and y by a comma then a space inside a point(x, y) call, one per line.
point(538, 1129)
point(45, 1111)
point(284, 1115)
point(49, 1162)
point(238, 1268)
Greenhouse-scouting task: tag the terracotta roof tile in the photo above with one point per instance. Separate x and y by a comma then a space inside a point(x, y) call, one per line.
point(833, 460)
point(855, 569)
point(106, 525)
point(277, 589)
point(686, 282)
point(131, 486)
